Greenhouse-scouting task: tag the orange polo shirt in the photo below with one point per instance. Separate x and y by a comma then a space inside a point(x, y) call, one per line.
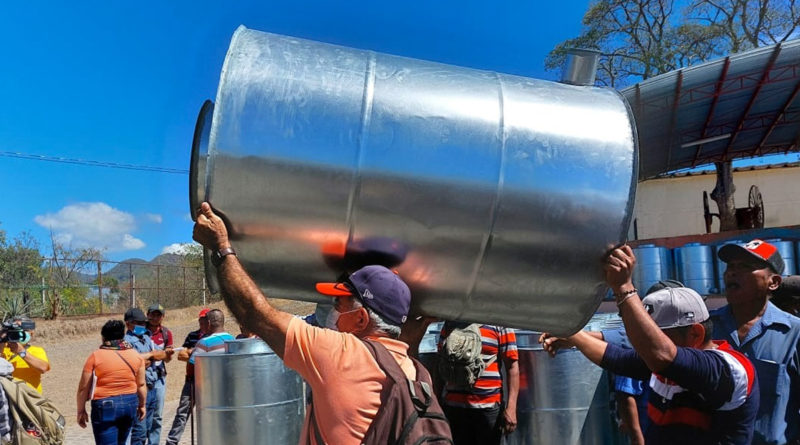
point(345, 379)
point(113, 374)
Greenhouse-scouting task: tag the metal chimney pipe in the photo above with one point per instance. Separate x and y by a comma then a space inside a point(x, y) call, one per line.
point(580, 67)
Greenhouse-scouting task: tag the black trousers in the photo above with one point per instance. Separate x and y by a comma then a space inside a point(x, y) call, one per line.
point(474, 426)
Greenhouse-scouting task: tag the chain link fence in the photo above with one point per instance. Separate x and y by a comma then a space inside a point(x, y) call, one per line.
point(86, 287)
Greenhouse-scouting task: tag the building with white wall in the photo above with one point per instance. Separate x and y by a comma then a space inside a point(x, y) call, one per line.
point(672, 206)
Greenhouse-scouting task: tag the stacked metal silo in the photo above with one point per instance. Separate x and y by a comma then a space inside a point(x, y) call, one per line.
point(695, 265)
point(653, 264)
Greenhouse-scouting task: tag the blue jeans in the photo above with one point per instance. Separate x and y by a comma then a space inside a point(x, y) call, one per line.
point(112, 418)
point(141, 429)
point(153, 418)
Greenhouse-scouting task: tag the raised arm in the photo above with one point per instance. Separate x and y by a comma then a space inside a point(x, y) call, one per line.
point(241, 294)
point(589, 343)
point(655, 348)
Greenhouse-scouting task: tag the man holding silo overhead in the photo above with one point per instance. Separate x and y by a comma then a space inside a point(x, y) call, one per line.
point(765, 334)
point(346, 378)
point(701, 391)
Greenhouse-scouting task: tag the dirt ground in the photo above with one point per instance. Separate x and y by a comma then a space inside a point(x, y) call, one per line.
point(68, 342)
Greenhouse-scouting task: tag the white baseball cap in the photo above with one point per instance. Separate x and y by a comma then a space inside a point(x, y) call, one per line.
point(676, 307)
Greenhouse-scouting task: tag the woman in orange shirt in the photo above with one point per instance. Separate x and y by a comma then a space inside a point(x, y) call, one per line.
point(119, 389)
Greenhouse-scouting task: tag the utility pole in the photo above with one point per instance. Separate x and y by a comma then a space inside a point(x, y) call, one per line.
point(133, 290)
point(99, 287)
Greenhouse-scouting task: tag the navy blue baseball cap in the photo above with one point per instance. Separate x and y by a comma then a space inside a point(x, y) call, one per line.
point(378, 288)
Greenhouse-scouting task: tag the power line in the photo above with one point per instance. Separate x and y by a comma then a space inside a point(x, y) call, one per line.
point(149, 168)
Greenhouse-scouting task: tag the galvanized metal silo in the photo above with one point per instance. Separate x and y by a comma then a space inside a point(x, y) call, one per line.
point(247, 396)
point(695, 265)
point(507, 191)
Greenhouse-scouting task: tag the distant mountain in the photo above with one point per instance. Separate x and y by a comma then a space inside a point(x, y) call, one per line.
point(141, 268)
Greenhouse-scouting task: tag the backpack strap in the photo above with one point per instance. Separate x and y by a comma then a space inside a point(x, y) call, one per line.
point(392, 369)
point(167, 335)
point(126, 362)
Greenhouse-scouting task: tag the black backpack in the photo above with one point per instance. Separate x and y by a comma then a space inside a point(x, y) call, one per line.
point(409, 412)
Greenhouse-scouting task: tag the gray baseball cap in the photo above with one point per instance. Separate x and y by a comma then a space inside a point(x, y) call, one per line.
point(676, 307)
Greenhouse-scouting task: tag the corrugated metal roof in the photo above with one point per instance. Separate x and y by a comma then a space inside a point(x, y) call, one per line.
point(741, 106)
point(749, 168)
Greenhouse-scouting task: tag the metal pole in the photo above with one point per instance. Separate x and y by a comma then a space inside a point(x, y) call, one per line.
point(158, 283)
point(99, 287)
point(133, 290)
point(191, 413)
point(184, 285)
point(43, 302)
point(130, 283)
point(204, 290)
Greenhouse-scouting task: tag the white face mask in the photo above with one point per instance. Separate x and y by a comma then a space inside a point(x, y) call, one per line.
point(333, 318)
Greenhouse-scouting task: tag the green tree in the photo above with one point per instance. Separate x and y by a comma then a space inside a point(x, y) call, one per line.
point(66, 290)
point(20, 270)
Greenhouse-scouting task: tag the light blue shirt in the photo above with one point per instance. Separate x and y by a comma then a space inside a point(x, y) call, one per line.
point(144, 344)
point(773, 345)
point(213, 344)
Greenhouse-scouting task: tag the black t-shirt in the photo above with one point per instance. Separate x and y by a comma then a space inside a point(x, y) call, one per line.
point(192, 339)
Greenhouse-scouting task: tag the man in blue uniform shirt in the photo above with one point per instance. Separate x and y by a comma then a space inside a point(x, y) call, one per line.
point(765, 334)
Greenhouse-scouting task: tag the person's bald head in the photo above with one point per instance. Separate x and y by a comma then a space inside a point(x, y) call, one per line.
point(216, 320)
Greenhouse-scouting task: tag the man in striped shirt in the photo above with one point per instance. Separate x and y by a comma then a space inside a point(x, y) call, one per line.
point(478, 415)
point(214, 342)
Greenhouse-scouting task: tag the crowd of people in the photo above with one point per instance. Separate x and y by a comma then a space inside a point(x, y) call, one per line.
point(683, 374)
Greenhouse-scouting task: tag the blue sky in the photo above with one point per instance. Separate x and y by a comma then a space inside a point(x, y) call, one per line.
point(123, 82)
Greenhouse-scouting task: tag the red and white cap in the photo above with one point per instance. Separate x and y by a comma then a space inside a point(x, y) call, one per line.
point(761, 251)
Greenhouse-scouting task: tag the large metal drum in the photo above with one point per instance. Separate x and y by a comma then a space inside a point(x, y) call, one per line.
point(247, 397)
point(562, 400)
point(506, 191)
point(695, 265)
point(653, 264)
point(786, 248)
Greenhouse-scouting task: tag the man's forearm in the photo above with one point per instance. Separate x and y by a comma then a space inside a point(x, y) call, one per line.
point(250, 306)
point(37, 363)
point(591, 346)
point(629, 414)
point(513, 384)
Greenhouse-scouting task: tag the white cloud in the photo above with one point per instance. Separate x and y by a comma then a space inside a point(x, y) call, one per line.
point(131, 243)
point(179, 248)
point(92, 224)
point(154, 218)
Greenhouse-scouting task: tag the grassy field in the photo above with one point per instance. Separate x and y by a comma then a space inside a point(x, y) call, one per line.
point(69, 341)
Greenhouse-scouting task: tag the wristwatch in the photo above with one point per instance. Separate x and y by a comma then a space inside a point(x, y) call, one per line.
point(22, 354)
point(218, 255)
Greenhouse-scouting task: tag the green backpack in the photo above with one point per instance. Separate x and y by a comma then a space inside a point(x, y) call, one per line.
point(34, 418)
point(460, 361)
